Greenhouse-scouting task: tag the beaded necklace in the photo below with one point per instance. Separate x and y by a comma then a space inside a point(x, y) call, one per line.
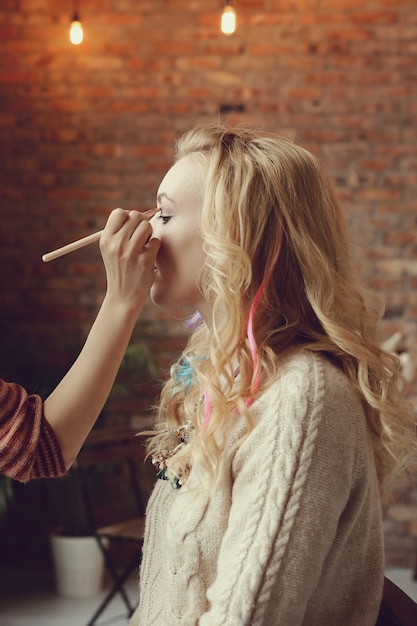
point(181, 436)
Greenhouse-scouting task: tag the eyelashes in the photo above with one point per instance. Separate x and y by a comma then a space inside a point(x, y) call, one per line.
point(164, 218)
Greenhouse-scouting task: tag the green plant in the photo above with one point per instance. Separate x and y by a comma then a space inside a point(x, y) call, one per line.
point(138, 364)
point(71, 515)
point(6, 495)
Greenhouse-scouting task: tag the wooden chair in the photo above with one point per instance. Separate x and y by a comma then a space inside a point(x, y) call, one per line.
point(397, 608)
point(109, 466)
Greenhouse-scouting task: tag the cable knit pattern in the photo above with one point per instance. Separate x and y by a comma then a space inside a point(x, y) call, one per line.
point(292, 535)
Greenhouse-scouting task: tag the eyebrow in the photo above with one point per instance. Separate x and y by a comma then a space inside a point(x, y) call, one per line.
point(164, 195)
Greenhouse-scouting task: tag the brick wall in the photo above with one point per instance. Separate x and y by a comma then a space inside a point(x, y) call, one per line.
point(84, 129)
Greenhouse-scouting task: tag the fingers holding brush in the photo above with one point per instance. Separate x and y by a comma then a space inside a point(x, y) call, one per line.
point(129, 252)
point(118, 217)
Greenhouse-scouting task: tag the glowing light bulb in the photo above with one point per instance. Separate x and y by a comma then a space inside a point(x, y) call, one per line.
point(228, 23)
point(76, 30)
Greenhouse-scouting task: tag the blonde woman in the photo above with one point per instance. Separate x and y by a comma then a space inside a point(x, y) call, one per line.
point(283, 420)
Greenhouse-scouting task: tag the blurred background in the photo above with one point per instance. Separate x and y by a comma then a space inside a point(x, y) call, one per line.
point(86, 128)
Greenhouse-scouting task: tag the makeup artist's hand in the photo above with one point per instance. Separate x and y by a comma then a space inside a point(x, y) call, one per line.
point(129, 256)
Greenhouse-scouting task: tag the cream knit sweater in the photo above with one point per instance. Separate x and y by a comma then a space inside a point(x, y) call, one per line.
point(292, 535)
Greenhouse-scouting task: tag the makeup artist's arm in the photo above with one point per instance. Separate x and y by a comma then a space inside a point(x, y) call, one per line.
point(128, 255)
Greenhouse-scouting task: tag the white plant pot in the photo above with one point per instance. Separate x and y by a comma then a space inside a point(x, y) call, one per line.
point(79, 565)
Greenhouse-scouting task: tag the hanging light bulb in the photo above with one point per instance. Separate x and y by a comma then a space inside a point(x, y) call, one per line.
point(76, 30)
point(228, 23)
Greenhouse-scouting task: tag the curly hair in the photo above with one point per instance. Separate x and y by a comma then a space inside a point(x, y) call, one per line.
point(271, 224)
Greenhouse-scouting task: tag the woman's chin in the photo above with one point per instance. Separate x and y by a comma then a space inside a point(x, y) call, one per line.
point(154, 297)
point(158, 295)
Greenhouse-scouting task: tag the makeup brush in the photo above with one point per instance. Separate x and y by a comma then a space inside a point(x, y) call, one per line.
point(81, 243)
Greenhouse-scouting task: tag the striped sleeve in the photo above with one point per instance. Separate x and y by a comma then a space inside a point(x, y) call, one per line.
point(28, 445)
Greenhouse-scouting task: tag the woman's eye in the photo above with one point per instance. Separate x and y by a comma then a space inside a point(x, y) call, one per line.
point(164, 218)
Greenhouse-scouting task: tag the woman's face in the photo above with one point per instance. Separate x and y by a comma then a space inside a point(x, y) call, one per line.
point(176, 225)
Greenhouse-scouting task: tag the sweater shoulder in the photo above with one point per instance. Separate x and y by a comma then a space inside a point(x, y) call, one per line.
point(310, 398)
point(311, 381)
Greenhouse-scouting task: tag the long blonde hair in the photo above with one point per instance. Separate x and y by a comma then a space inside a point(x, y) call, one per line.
point(264, 196)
